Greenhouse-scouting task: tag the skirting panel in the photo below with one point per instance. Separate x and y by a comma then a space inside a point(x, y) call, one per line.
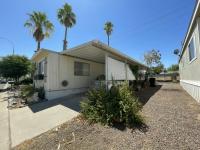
point(193, 88)
point(50, 95)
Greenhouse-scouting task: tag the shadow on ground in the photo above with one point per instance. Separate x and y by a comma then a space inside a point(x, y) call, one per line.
point(72, 102)
point(145, 94)
point(122, 127)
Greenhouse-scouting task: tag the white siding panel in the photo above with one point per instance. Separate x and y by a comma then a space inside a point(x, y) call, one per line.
point(130, 73)
point(53, 71)
point(116, 69)
point(192, 87)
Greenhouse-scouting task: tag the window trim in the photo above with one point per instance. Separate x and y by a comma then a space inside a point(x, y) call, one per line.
point(43, 60)
point(82, 63)
point(195, 48)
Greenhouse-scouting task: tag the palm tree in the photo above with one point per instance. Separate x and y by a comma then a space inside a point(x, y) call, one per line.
point(108, 28)
point(66, 18)
point(40, 26)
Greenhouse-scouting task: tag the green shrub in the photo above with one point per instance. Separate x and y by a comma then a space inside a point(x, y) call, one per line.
point(27, 91)
point(27, 81)
point(117, 105)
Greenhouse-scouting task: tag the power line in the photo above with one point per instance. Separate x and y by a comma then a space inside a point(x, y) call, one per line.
point(158, 19)
point(9, 41)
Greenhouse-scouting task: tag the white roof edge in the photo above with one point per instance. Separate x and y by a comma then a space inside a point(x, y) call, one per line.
point(190, 27)
point(43, 50)
point(78, 47)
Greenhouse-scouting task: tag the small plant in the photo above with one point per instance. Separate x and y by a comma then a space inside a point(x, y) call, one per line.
point(27, 91)
point(41, 93)
point(117, 105)
point(27, 81)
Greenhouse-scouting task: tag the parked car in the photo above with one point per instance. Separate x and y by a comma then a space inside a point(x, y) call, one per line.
point(11, 82)
point(3, 82)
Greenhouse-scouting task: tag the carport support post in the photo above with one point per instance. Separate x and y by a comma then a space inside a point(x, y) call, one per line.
point(126, 72)
point(106, 70)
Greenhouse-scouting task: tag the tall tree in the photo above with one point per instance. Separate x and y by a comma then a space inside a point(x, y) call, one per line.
point(152, 59)
point(40, 26)
point(109, 29)
point(68, 19)
point(14, 67)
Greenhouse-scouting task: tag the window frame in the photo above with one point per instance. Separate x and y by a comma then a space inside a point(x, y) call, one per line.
point(42, 62)
point(193, 38)
point(75, 73)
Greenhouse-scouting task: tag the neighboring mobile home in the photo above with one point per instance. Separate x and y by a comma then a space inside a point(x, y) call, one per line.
point(77, 69)
point(189, 62)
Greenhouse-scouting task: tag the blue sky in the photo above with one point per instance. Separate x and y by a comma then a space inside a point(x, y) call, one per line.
point(139, 25)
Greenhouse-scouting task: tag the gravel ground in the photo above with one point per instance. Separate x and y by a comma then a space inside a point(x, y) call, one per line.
point(172, 119)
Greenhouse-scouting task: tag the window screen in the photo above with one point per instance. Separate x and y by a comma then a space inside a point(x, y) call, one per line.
point(41, 67)
point(191, 48)
point(81, 69)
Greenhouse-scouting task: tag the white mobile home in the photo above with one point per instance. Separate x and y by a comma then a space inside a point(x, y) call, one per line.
point(79, 68)
point(189, 62)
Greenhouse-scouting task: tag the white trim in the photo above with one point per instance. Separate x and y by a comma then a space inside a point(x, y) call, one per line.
point(193, 60)
point(191, 82)
point(195, 47)
point(43, 50)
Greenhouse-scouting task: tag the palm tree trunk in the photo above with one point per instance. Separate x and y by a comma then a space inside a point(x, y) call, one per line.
point(65, 40)
point(38, 46)
point(108, 40)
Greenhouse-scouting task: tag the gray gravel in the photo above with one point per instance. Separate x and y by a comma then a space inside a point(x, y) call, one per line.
point(172, 119)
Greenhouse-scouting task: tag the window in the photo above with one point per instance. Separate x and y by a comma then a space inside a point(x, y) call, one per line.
point(81, 69)
point(41, 67)
point(191, 48)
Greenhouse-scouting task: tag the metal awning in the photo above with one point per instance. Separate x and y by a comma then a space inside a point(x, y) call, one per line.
point(96, 51)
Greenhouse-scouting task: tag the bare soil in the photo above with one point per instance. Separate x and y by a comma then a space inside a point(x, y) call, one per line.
point(172, 122)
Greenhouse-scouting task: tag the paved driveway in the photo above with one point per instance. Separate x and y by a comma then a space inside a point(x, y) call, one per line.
point(28, 122)
point(4, 123)
point(4, 86)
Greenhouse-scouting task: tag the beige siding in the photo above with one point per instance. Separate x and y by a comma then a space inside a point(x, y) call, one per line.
point(52, 71)
point(117, 70)
point(61, 67)
point(191, 70)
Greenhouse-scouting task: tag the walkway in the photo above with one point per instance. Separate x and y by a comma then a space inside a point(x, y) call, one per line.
point(28, 122)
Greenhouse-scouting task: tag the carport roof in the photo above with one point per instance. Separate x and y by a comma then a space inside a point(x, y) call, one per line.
point(96, 50)
point(93, 50)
